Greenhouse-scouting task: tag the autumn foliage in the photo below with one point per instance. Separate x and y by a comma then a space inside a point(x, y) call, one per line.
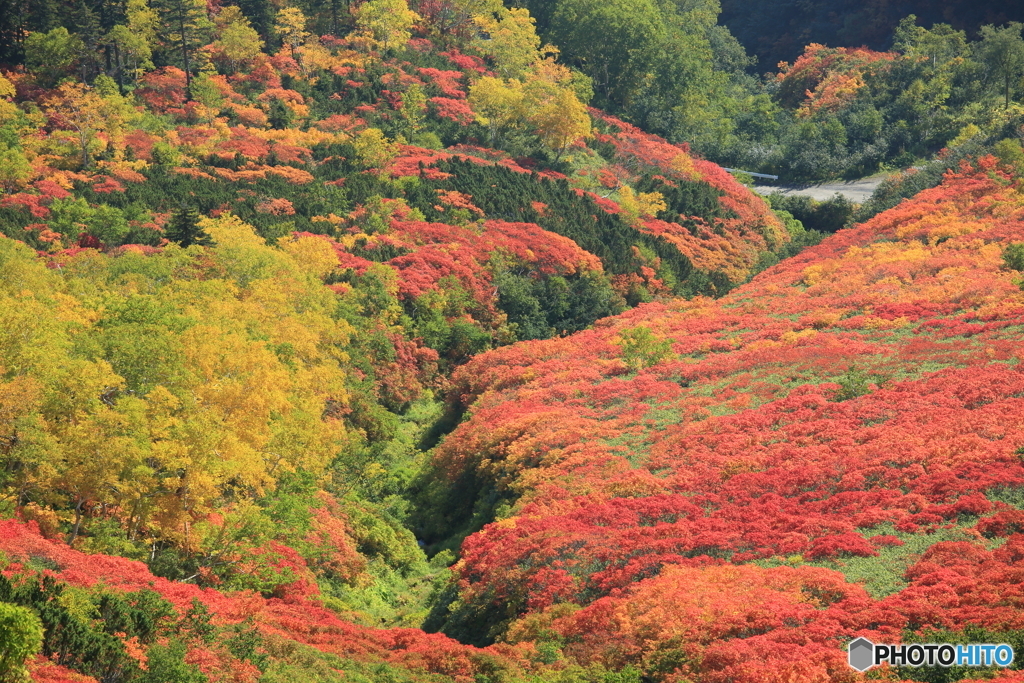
point(282, 331)
point(687, 515)
point(825, 79)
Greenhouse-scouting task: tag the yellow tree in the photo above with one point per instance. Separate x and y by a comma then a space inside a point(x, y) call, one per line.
point(497, 104)
point(414, 106)
point(305, 48)
point(15, 170)
point(636, 206)
point(374, 150)
point(20, 402)
point(545, 102)
point(133, 42)
point(117, 112)
point(291, 26)
point(6, 88)
point(238, 39)
point(98, 450)
point(512, 40)
point(207, 93)
point(132, 54)
point(64, 441)
point(233, 392)
point(312, 254)
point(561, 121)
point(143, 21)
point(386, 22)
point(83, 112)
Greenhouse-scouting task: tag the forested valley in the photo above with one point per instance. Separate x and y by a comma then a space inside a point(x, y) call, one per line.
point(403, 341)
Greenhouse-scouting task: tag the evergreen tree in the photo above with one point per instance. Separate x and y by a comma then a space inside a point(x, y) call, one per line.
point(45, 15)
point(185, 28)
point(327, 16)
point(184, 228)
point(280, 116)
point(12, 31)
point(260, 14)
point(88, 27)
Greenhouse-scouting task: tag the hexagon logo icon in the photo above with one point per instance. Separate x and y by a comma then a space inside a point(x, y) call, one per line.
point(861, 654)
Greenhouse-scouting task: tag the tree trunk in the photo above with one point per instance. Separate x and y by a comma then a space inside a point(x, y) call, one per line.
point(84, 140)
point(78, 522)
point(184, 50)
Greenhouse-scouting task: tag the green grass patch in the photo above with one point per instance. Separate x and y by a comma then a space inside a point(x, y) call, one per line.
point(1011, 495)
point(883, 575)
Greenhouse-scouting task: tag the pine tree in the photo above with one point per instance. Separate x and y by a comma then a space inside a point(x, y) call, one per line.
point(260, 14)
point(37, 15)
point(184, 229)
point(186, 28)
point(86, 22)
point(12, 31)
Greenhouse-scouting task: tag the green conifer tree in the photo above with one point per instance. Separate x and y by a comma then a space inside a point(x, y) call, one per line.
point(184, 229)
point(184, 28)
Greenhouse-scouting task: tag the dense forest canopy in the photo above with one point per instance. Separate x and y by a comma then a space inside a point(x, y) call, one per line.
point(840, 90)
point(778, 31)
point(428, 341)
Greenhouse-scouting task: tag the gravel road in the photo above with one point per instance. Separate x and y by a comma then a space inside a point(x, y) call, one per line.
point(857, 191)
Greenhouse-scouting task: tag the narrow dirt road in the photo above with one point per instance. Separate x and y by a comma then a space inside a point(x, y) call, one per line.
point(857, 191)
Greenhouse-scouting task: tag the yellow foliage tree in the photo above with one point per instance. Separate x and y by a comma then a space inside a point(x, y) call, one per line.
point(545, 103)
point(291, 26)
point(134, 40)
point(6, 87)
point(374, 150)
point(15, 169)
point(386, 22)
point(561, 121)
point(118, 112)
point(84, 112)
point(185, 392)
point(637, 206)
point(497, 104)
point(512, 40)
point(238, 39)
point(312, 254)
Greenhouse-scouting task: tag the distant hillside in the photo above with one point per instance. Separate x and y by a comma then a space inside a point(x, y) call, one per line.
point(777, 30)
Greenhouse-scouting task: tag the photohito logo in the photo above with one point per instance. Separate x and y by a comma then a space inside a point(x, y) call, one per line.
point(863, 654)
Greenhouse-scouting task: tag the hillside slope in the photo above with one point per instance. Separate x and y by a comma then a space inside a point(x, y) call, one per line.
point(831, 450)
point(294, 309)
point(778, 31)
point(110, 618)
point(231, 297)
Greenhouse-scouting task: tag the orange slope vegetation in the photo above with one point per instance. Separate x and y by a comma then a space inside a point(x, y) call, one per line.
point(676, 469)
point(294, 619)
